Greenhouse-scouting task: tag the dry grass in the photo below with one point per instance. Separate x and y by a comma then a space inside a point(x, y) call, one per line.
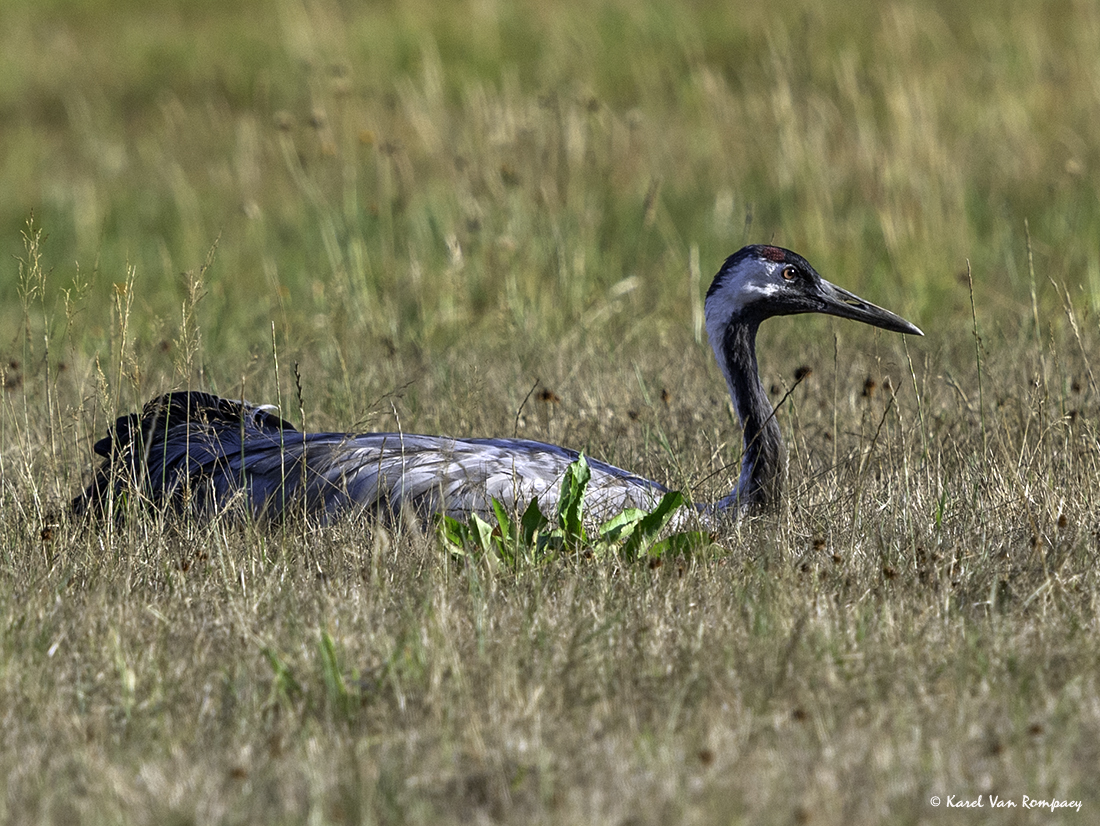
point(437, 206)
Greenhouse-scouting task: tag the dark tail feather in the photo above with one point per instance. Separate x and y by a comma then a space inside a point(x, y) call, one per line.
point(124, 448)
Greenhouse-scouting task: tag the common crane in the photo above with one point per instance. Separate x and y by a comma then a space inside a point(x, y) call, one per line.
point(209, 454)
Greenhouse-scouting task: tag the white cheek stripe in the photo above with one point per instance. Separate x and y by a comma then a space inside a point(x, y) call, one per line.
point(728, 303)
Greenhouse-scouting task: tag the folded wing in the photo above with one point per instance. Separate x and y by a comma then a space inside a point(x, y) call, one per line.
point(205, 454)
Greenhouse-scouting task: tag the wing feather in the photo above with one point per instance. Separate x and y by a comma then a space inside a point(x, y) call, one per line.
point(209, 454)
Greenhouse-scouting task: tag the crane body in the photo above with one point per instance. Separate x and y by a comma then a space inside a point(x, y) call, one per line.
point(210, 454)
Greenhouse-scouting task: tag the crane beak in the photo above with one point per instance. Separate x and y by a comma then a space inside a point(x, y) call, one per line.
point(840, 302)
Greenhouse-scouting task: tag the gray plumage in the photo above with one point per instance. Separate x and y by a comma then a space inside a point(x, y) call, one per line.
point(206, 454)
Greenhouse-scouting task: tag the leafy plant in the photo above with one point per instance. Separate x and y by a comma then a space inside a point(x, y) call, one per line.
point(532, 538)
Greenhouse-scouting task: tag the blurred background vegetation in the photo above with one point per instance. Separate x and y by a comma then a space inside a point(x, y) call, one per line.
point(376, 175)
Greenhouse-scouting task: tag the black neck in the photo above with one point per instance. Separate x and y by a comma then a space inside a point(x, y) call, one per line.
point(762, 462)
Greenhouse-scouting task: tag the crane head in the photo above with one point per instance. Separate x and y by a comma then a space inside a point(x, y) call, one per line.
point(759, 281)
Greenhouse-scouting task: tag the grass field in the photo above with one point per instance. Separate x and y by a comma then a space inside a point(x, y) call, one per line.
point(423, 209)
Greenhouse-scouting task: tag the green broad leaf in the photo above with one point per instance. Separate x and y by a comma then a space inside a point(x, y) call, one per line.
point(532, 523)
point(481, 532)
point(651, 524)
point(507, 527)
point(454, 534)
point(550, 543)
point(618, 528)
point(505, 535)
point(571, 502)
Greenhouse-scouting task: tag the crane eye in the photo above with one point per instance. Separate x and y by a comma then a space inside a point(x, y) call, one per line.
point(789, 274)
